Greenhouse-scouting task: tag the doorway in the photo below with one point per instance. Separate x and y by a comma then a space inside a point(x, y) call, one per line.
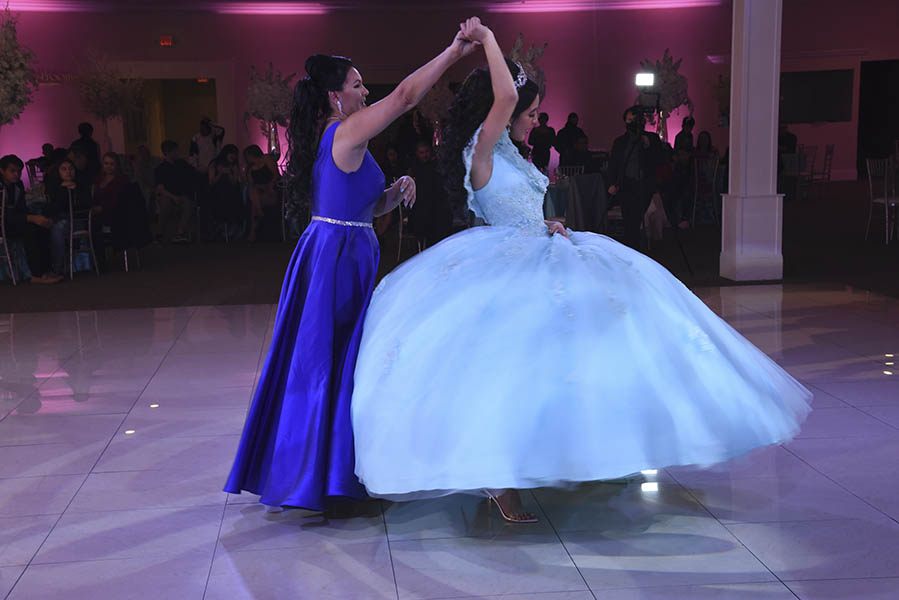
point(171, 110)
point(878, 120)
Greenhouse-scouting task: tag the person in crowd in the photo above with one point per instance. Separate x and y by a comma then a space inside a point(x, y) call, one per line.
point(225, 198)
point(297, 444)
point(704, 147)
point(578, 156)
point(541, 139)
point(107, 194)
point(108, 186)
point(66, 188)
point(174, 192)
point(395, 167)
point(31, 231)
point(263, 176)
point(634, 160)
point(683, 142)
point(206, 145)
point(431, 218)
point(43, 162)
point(84, 173)
point(787, 142)
point(568, 135)
point(90, 148)
point(679, 194)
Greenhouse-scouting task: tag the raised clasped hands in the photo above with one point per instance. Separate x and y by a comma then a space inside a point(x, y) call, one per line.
point(474, 31)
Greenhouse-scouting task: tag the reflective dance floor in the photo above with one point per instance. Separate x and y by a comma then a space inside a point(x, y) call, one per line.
point(117, 429)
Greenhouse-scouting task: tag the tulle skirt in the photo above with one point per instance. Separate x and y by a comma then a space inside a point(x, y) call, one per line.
point(498, 359)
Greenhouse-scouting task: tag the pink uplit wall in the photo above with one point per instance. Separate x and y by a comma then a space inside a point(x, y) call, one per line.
point(590, 62)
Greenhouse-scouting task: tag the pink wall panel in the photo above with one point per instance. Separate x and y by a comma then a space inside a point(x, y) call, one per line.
point(590, 62)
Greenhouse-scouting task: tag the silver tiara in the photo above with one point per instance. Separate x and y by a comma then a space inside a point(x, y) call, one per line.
point(522, 77)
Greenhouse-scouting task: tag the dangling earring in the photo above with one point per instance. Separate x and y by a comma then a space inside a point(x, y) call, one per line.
point(340, 108)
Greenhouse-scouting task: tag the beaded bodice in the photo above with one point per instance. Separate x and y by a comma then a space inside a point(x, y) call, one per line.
point(513, 197)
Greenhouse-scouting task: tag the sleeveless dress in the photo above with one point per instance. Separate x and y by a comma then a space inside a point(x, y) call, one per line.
point(504, 357)
point(297, 443)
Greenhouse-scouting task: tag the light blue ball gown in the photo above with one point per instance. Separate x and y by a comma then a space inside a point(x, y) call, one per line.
point(504, 357)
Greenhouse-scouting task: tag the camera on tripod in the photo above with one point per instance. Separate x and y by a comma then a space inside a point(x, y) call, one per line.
point(647, 100)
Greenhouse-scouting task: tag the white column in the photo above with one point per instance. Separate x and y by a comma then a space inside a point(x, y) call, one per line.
point(752, 211)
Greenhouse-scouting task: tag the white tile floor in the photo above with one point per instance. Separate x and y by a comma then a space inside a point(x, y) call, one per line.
point(117, 429)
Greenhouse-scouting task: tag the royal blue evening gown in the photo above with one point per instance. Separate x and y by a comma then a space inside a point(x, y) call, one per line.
point(297, 443)
point(504, 357)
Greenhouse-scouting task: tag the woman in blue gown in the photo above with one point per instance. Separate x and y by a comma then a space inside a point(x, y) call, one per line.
point(297, 443)
point(521, 354)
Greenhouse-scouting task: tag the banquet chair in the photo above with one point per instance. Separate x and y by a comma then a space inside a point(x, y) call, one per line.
point(807, 158)
point(882, 176)
point(80, 228)
point(4, 241)
point(823, 175)
point(570, 171)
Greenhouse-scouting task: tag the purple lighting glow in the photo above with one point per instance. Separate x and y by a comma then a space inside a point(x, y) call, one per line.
point(224, 8)
point(269, 8)
point(54, 6)
point(538, 6)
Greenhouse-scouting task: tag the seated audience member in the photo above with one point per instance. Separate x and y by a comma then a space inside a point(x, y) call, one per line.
point(107, 187)
point(578, 155)
point(394, 168)
point(51, 174)
point(225, 198)
point(174, 192)
point(107, 193)
point(84, 173)
point(31, 231)
point(431, 218)
point(262, 178)
point(42, 162)
point(58, 210)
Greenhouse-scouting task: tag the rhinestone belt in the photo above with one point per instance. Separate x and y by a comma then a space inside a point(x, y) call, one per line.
point(344, 223)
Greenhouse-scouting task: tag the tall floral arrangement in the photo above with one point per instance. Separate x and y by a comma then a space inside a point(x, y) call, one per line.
point(106, 91)
point(269, 99)
point(670, 85)
point(18, 80)
point(434, 107)
point(528, 61)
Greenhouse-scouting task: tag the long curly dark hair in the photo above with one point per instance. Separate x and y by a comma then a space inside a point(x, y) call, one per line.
point(468, 110)
point(311, 107)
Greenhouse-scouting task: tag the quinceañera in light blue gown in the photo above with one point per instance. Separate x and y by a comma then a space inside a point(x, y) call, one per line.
point(504, 357)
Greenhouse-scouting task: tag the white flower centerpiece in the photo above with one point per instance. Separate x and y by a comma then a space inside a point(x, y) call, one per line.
point(269, 99)
point(107, 92)
point(18, 80)
point(671, 87)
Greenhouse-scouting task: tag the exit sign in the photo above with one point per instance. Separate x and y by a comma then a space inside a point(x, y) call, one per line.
point(166, 40)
